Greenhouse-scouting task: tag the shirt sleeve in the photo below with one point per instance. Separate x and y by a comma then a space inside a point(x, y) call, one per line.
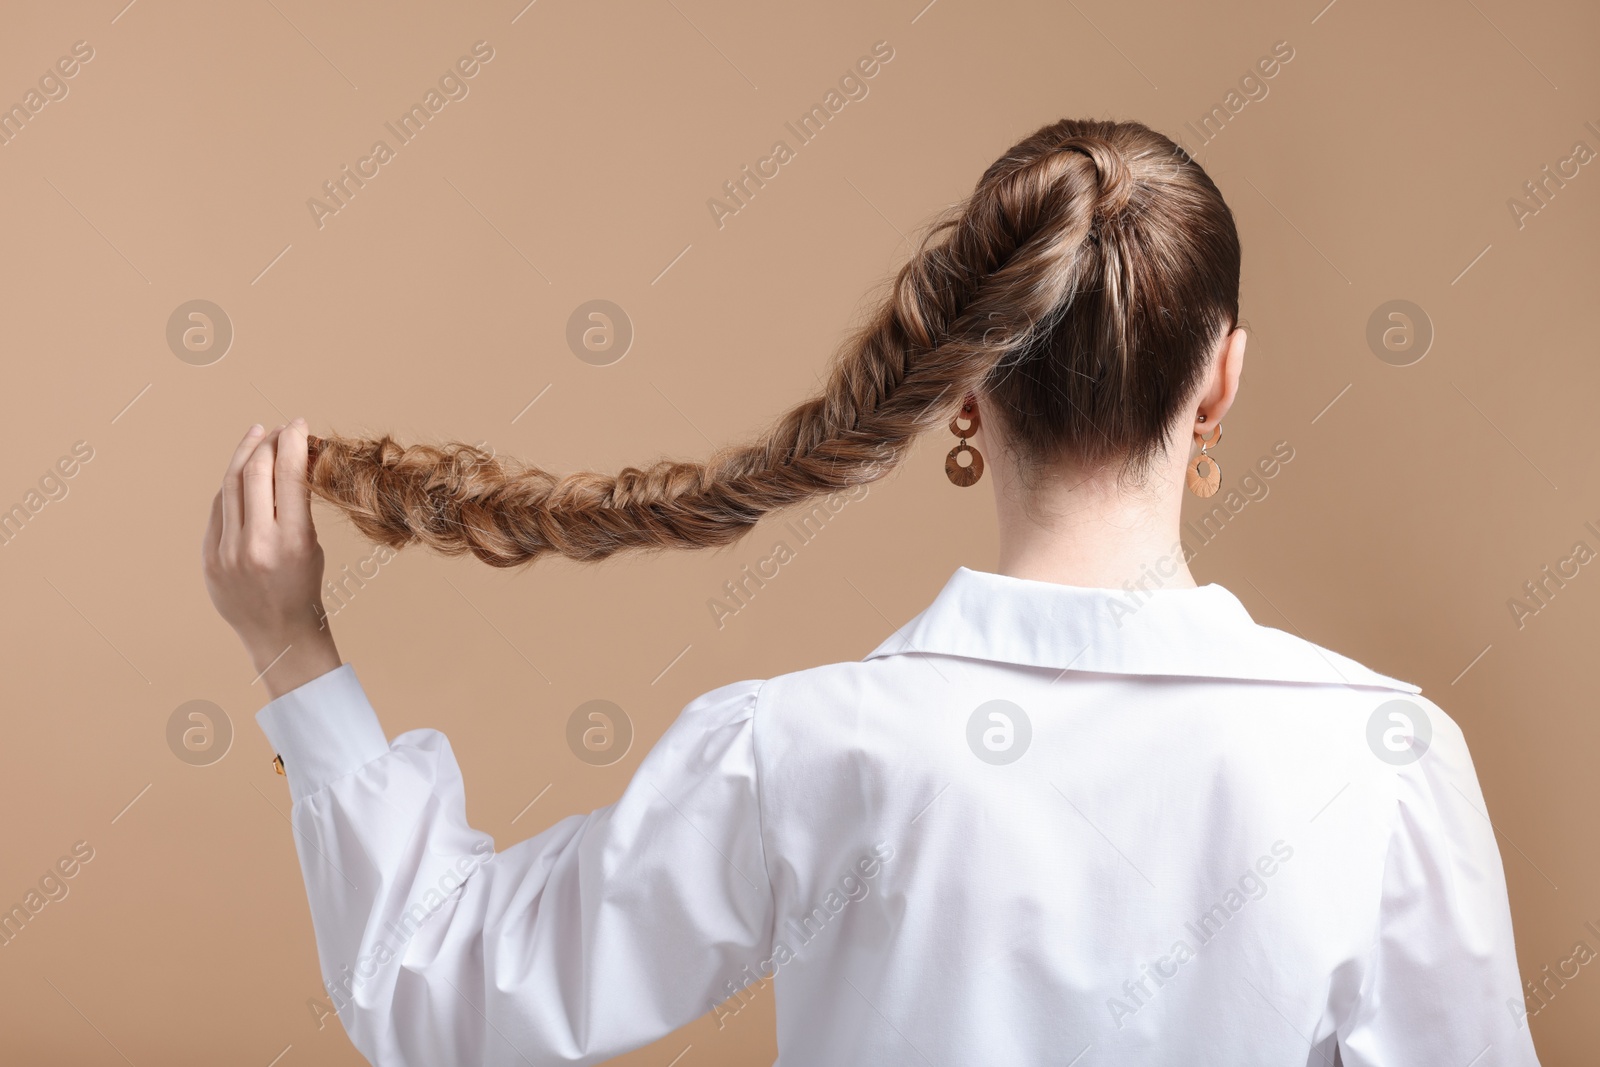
point(1440, 985)
point(598, 935)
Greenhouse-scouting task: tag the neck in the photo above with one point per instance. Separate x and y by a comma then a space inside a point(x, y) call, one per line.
point(1087, 531)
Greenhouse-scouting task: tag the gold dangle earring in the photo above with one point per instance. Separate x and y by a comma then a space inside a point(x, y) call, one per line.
point(969, 474)
point(1204, 476)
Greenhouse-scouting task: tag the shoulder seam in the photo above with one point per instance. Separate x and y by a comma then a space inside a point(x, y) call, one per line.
point(761, 817)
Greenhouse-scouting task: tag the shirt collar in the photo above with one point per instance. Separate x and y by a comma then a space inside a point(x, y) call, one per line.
point(1202, 632)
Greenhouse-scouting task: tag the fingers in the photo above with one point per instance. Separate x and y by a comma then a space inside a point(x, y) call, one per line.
point(232, 493)
point(212, 540)
point(256, 483)
point(291, 493)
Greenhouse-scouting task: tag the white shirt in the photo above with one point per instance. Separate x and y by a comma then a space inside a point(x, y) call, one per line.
point(1199, 841)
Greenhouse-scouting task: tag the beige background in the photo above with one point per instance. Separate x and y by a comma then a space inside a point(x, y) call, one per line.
point(434, 305)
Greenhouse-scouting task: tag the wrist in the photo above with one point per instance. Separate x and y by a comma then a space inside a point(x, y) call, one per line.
point(291, 661)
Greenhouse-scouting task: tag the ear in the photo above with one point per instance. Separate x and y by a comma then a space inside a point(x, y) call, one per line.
point(1217, 396)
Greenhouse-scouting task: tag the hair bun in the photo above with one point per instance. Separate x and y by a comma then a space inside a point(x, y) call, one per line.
point(1111, 173)
point(1116, 184)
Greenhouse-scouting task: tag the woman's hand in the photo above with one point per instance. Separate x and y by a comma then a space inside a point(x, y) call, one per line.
point(263, 565)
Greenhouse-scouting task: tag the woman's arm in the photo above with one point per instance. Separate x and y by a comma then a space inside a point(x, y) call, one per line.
point(600, 934)
point(1440, 983)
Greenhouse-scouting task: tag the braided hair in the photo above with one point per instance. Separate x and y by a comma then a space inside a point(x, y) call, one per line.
point(1079, 290)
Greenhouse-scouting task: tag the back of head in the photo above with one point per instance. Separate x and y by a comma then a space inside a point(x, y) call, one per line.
point(1080, 289)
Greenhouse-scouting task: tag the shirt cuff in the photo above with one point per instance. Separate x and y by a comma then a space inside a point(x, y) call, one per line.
point(323, 730)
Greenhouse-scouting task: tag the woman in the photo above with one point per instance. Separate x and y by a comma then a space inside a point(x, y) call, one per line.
point(1079, 810)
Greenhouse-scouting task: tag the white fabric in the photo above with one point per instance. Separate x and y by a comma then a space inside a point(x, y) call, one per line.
point(1208, 852)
